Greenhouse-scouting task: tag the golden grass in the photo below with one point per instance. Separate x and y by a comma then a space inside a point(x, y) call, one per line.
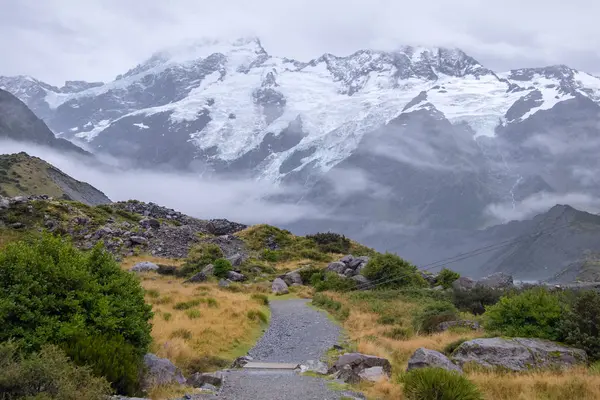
point(364, 330)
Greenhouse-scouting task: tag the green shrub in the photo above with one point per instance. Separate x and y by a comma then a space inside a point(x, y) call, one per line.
point(446, 277)
point(186, 305)
point(334, 282)
point(391, 271)
point(438, 384)
point(428, 319)
point(110, 357)
point(270, 255)
point(193, 314)
point(181, 333)
point(212, 302)
point(199, 257)
point(222, 267)
point(331, 242)
point(47, 374)
point(52, 293)
point(153, 293)
point(450, 347)
point(334, 307)
point(261, 298)
point(580, 324)
point(307, 273)
point(167, 316)
point(533, 313)
point(477, 299)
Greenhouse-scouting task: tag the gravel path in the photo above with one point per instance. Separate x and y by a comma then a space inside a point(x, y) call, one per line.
point(297, 333)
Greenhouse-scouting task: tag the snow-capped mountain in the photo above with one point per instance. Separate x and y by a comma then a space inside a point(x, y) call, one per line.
point(417, 136)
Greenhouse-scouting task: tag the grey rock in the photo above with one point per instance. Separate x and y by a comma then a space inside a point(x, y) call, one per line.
point(499, 280)
point(138, 240)
point(373, 374)
point(197, 278)
point(235, 276)
point(209, 387)
point(359, 362)
point(363, 282)
point(347, 259)
point(338, 267)
point(292, 278)
point(444, 326)
point(150, 223)
point(349, 272)
point(241, 361)
point(102, 232)
point(318, 367)
point(224, 283)
point(279, 286)
point(425, 358)
point(4, 203)
point(221, 227)
point(463, 283)
point(200, 379)
point(209, 270)
point(347, 375)
point(518, 354)
point(237, 259)
point(17, 225)
point(160, 371)
point(145, 266)
point(429, 277)
point(18, 200)
point(359, 262)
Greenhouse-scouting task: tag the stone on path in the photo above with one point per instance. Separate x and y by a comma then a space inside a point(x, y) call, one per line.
point(279, 286)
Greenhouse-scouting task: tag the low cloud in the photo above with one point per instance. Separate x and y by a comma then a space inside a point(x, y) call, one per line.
point(242, 200)
point(540, 203)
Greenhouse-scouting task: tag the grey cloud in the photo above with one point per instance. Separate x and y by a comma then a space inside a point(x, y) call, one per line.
point(57, 40)
point(236, 199)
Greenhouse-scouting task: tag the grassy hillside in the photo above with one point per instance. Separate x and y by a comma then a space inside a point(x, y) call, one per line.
point(23, 175)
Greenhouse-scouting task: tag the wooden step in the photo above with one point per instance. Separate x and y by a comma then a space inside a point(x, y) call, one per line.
point(270, 365)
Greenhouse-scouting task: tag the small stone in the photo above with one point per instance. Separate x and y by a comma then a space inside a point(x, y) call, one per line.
point(241, 361)
point(144, 266)
point(138, 240)
point(200, 379)
point(235, 276)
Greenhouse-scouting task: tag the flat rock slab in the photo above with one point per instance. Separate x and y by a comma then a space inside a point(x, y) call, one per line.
point(267, 365)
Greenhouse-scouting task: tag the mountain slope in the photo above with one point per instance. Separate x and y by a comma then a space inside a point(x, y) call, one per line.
point(23, 175)
point(19, 123)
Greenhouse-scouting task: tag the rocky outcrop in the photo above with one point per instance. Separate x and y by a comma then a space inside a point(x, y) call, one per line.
point(292, 278)
point(517, 354)
point(279, 286)
point(499, 280)
point(463, 283)
point(160, 372)
point(145, 266)
point(425, 358)
point(221, 227)
point(348, 266)
point(444, 326)
point(350, 366)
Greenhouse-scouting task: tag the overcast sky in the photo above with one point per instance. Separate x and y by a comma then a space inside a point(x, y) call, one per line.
point(55, 40)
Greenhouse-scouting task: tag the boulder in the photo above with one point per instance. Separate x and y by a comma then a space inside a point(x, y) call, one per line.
point(347, 375)
point(463, 283)
point(138, 240)
point(359, 262)
point(144, 266)
point(359, 362)
point(291, 278)
point(317, 367)
point(237, 259)
point(425, 358)
point(347, 259)
point(279, 286)
point(349, 272)
point(373, 374)
point(517, 354)
point(209, 270)
point(362, 282)
point(197, 278)
point(224, 283)
point(241, 361)
point(221, 227)
point(150, 223)
point(338, 267)
point(444, 326)
point(499, 280)
point(160, 372)
point(235, 276)
point(4, 203)
point(200, 379)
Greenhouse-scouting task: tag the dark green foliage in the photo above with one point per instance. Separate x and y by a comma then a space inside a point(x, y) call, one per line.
point(450, 347)
point(52, 293)
point(307, 273)
point(446, 277)
point(270, 255)
point(580, 324)
point(47, 374)
point(108, 356)
point(199, 257)
point(222, 267)
point(266, 236)
point(438, 384)
point(186, 305)
point(477, 299)
point(332, 281)
point(334, 307)
point(434, 314)
point(391, 271)
point(532, 313)
point(331, 242)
